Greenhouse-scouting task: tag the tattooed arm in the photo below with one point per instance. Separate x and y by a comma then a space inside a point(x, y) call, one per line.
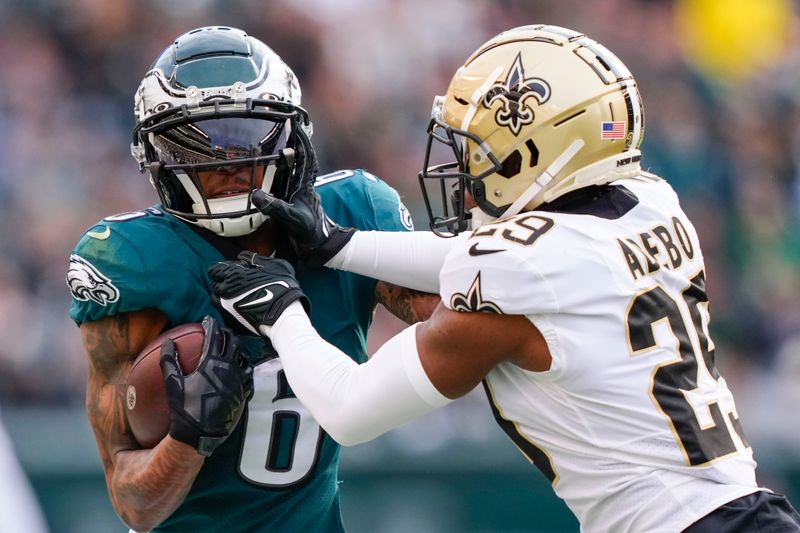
point(408, 305)
point(145, 485)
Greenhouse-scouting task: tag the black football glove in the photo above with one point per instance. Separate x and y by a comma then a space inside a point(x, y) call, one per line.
point(206, 404)
point(255, 290)
point(314, 237)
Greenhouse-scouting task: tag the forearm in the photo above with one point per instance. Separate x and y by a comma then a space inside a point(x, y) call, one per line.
point(147, 486)
point(408, 305)
point(353, 403)
point(408, 259)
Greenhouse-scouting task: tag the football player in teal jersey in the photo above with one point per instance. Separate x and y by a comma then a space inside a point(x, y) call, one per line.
point(218, 119)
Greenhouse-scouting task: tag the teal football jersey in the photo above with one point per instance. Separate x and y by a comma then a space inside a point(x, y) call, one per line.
point(278, 469)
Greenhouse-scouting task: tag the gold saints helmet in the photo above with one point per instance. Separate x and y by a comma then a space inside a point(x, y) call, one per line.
point(536, 112)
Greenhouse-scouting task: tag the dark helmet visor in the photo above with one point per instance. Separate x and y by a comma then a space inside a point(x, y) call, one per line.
point(220, 139)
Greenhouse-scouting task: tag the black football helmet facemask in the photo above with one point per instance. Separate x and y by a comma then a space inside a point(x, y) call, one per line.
point(218, 116)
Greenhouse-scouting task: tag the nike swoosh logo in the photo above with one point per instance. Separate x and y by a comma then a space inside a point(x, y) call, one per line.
point(267, 294)
point(474, 251)
point(100, 235)
point(266, 298)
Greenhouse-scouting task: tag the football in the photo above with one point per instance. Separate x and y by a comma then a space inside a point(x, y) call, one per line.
point(145, 392)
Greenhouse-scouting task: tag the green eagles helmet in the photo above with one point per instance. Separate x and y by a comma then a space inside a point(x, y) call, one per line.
point(218, 102)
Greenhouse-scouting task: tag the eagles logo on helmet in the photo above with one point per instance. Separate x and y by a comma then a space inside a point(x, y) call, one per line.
point(522, 122)
point(218, 101)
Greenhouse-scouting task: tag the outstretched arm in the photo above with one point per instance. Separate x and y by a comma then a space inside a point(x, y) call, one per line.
point(419, 370)
point(145, 485)
point(408, 259)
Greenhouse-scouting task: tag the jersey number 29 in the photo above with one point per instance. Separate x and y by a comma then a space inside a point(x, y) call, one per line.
point(688, 389)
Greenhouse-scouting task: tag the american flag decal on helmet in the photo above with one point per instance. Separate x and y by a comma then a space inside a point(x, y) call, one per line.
point(612, 130)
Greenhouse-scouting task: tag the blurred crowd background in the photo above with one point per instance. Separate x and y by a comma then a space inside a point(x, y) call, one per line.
point(720, 81)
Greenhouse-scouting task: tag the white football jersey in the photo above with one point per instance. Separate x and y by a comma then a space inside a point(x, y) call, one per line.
point(632, 424)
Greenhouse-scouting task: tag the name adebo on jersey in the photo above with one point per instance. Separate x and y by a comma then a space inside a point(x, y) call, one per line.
point(665, 245)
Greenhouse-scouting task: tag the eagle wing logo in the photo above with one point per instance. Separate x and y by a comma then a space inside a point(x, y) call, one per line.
point(473, 301)
point(515, 95)
point(87, 283)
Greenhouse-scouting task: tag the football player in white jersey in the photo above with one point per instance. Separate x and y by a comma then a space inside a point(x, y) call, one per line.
point(577, 299)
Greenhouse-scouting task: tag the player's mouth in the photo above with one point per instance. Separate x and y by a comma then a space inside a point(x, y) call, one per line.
point(229, 191)
point(233, 190)
point(228, 185)
point(225, 183)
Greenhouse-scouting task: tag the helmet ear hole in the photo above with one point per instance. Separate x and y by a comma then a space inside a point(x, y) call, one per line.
point(511, 165)
point(478, 191)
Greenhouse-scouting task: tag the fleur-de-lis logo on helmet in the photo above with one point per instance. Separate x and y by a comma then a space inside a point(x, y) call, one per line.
point(515, 94)
point(473, 301)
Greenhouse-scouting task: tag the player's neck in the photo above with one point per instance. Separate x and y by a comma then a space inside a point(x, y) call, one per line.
point(261, 241)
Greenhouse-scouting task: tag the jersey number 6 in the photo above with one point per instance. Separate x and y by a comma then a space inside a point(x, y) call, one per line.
point(292, 451)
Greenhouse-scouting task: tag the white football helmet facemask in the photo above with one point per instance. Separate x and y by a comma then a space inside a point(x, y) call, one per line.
point(221, 103)
point(536, 112)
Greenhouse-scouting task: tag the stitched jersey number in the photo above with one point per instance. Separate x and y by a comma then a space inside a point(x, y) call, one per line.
point(520, 230)
point(281, 440)
point(689, 391)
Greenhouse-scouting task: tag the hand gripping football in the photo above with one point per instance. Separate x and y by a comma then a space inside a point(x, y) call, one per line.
point(145, 392)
